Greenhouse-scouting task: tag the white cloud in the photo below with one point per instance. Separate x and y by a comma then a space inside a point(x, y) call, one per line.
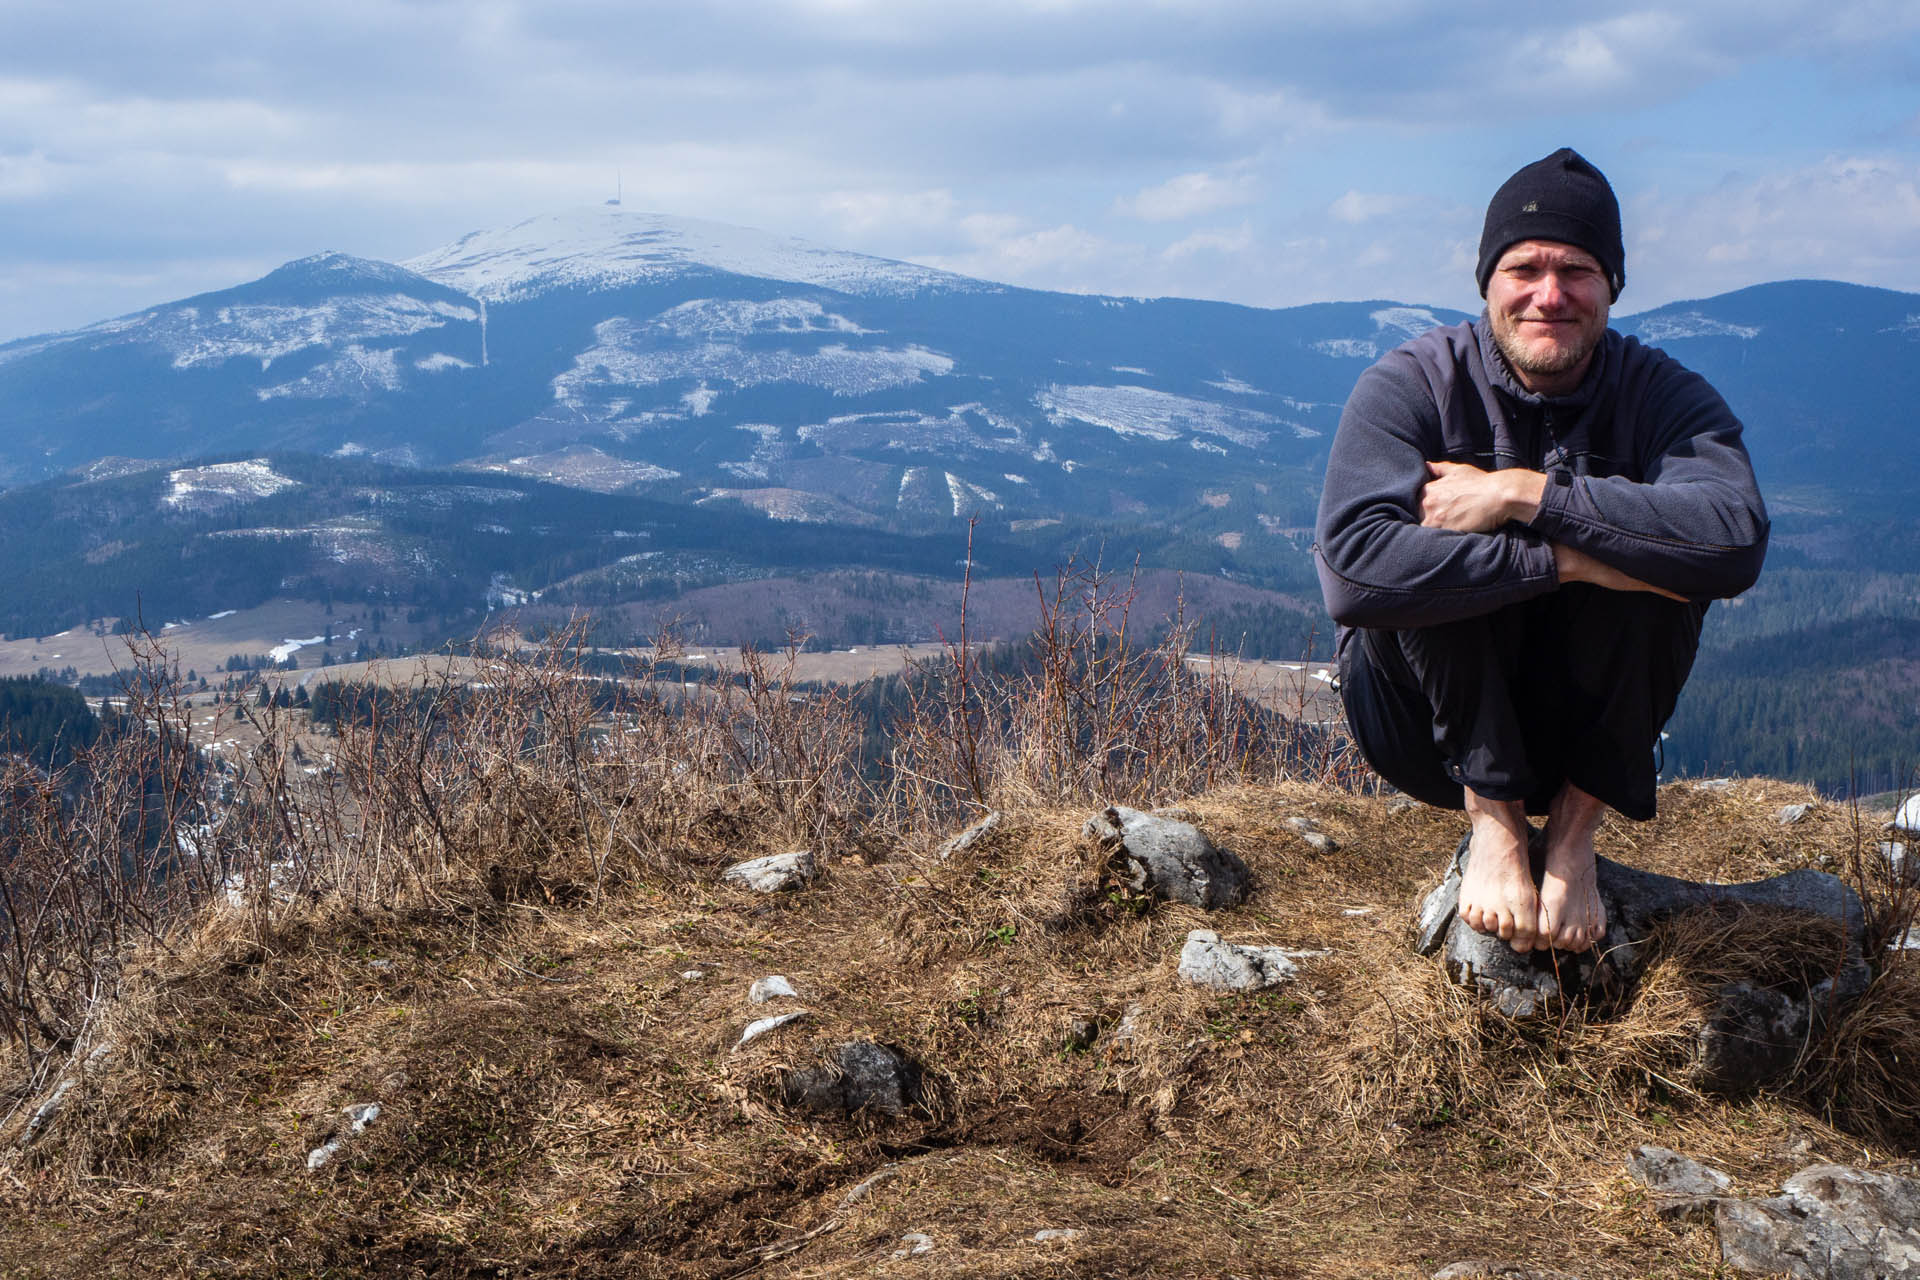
point(1853, 218)
point(1065, 257)
point(990, 138)
point(1237, 240)
point(1358, 206)
point(1190, 195)
point(25, 177)
point(863, 211)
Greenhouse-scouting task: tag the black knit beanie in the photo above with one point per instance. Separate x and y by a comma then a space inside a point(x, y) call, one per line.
point(1559, 198)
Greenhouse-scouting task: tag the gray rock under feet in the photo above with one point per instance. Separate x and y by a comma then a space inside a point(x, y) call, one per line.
point(1751, 1038)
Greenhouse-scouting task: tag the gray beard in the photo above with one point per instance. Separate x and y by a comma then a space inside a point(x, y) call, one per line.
point(1549, 366)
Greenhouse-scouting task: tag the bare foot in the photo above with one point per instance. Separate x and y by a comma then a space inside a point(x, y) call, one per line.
point(1496, 892)
point(1571, 915)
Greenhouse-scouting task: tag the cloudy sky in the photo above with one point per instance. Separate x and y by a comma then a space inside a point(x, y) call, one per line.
point(1270, 152)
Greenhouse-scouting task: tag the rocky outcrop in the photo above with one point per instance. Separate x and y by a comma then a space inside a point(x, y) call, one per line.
point(859, 1076)
point(1831, 1222)
point(1206, 961)
point(1681, 1187)
point(972, 835)
point(775, 873)
point(1170, 858)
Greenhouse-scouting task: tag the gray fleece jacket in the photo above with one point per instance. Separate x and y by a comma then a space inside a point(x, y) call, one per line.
point(1646, 472)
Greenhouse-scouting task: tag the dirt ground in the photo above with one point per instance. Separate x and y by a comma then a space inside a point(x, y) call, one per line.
point(563, 1092)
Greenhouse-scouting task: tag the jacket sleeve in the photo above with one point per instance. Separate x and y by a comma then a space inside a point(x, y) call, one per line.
point(1696, 525)
point(1378, 566)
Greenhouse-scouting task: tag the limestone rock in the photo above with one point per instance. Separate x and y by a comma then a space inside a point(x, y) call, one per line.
point(1473, 1269)
point(46, 1112)
point(358, 1117)
point(756, 1029)
point(1063, 1234)
point(1753, 1036)
point(913, 1244)
point(1832, 1222)
point(1310, 831)
point(885, 1173)
point(773, 987)
point(1667, 1171)
point(1893, 856)
point(1172, 859)
point(1206, 961)
point(1682, 1188)
point(775, 873)
point(1402, 804)
point(1907, 817)
point(1792, 813)
point(860, 1076)
point(972, 835)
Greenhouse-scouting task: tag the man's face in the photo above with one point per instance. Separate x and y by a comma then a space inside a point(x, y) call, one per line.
point(1548, 302)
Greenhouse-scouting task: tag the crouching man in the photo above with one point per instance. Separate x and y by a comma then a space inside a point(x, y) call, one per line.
point(1525, 517)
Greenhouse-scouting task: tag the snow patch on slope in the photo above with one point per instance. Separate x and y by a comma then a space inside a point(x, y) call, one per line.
point(220, 483)
point(910, 429)
point(581, 467)
point(968, 497)
point(1407, 322)
point(268, 333)
point(1155, 415)
point(1690, 324)
point(736, 317)
point(607, 248)
point(354, 372)
point(1228, 382)
point(626, 354)
point(1348, 348)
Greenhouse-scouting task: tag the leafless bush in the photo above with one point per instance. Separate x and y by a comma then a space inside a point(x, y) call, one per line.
point(1096, 715)
point(96, 857)
point(518, 773)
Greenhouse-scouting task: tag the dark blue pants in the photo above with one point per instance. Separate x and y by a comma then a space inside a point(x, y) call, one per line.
point(1573, 686)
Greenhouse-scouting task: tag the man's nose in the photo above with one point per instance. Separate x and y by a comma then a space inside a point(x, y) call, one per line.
point(1548, 293)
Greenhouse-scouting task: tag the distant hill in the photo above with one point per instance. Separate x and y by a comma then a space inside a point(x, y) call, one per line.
point(605, 406)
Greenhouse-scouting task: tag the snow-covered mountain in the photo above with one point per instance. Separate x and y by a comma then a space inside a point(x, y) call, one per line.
point(691, 361)
point(608, 248)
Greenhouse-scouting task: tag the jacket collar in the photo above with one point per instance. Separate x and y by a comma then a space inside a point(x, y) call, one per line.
point(1500, 374)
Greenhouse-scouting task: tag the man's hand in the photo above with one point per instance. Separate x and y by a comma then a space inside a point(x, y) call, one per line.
point(1578, 566)
point(1466, 499)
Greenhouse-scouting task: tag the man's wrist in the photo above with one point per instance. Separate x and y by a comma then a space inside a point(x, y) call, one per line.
point(1525, 492)
point(1569, 565)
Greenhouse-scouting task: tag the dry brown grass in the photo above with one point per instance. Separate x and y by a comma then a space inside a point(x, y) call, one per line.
point(488, 933)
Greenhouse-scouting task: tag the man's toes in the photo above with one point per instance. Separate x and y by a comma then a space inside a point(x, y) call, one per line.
point(1574, 939)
